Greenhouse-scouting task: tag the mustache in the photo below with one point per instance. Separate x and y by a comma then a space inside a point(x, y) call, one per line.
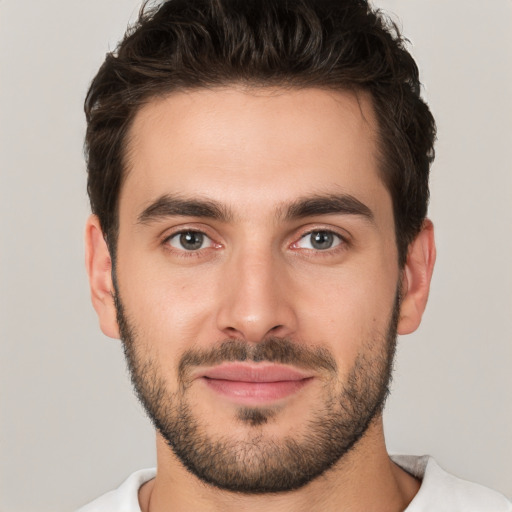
point(272, 350)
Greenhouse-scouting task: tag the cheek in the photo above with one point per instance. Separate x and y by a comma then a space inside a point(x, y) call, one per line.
point(169, 308)
point(346, 311)
point(172, 309)
point(166, 323)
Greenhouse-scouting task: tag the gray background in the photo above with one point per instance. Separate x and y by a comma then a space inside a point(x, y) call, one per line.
point(70, 428)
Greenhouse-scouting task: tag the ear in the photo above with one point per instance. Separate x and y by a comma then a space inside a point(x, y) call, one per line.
point(99, 269)
point(416, 277)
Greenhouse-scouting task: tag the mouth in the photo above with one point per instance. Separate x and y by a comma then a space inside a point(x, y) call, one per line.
point(254, 384)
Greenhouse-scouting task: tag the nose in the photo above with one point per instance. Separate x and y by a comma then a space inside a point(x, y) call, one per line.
point(256, 300)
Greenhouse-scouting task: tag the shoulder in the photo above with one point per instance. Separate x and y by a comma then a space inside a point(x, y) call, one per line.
point(443, 492)
point(125, 497)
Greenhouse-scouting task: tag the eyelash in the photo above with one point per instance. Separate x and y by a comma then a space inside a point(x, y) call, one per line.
point(184, 253)
point(340, 246)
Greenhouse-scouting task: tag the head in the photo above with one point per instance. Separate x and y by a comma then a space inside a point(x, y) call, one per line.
point(258, 173)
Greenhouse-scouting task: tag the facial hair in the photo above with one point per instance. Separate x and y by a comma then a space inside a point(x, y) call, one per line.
point(260, 463)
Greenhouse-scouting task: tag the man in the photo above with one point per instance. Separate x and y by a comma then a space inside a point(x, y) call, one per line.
point(258, 175)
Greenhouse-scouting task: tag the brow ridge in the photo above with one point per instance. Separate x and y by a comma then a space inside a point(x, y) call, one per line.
point(169, 205)
point(327, 204)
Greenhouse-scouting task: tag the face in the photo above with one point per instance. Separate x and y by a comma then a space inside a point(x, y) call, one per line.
point(256, 280)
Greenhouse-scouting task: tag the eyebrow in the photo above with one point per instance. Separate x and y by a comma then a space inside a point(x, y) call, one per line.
point(345, 204)
point(172, 206)
point(310, 206)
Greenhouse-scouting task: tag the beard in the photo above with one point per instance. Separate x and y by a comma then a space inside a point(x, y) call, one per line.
point(261, 463)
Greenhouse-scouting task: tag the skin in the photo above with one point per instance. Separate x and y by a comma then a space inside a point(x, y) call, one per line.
point(254, 152)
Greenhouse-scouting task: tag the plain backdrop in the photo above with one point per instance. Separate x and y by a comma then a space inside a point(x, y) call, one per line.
point(70, 428)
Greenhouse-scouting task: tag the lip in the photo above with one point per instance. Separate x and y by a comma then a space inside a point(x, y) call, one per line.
point(254, 384)
point(257, 372)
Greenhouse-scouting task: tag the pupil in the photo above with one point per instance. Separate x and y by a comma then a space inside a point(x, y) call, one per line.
point(191, 240)
point(321, 240)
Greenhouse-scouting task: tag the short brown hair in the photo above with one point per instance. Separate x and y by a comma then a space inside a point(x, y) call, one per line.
point(335, 44)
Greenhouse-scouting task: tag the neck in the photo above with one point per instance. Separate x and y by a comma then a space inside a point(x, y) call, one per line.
point(364, 479)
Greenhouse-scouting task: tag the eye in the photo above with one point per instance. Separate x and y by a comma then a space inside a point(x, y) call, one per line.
point(190, 241)
point(320, 240)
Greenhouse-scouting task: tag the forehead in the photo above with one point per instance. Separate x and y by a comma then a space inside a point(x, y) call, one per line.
point(252, 146)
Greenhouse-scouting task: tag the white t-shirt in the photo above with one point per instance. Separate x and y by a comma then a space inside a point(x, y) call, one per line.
point(439, 491)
